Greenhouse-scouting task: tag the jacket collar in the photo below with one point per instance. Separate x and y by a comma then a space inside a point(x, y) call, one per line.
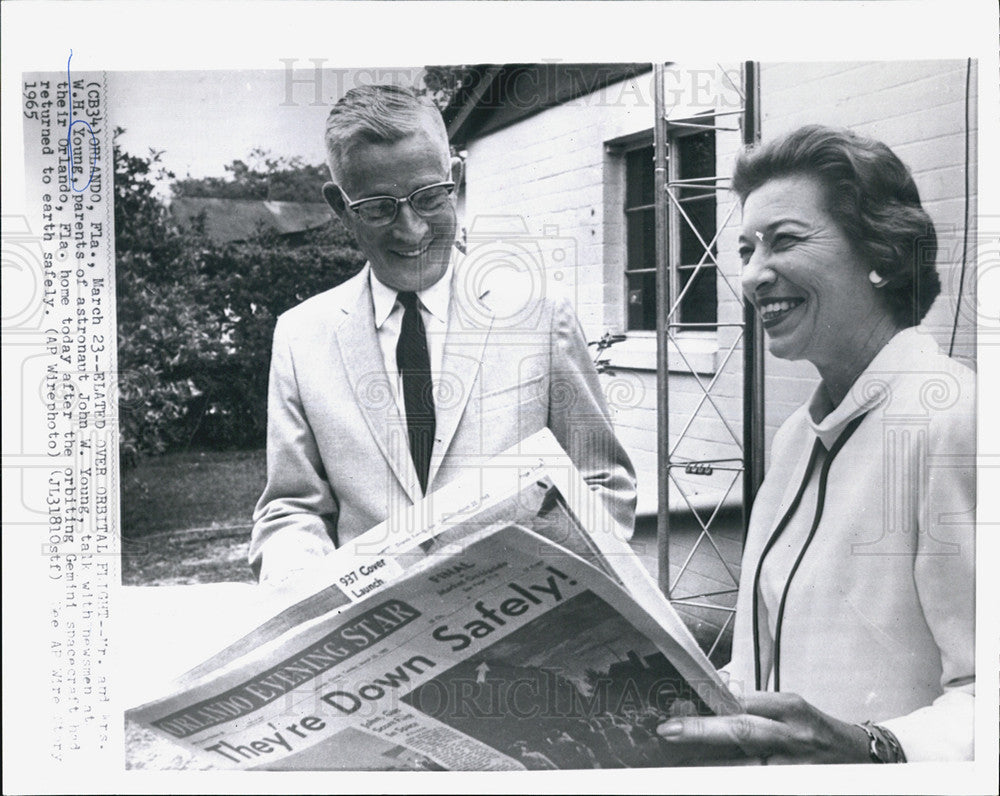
point(470, 322)
point(900, 356)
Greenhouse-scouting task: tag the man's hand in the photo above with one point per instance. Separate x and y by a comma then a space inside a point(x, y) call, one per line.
point(776, 728)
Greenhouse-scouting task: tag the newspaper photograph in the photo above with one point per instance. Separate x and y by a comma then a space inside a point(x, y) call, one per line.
point(444, 413)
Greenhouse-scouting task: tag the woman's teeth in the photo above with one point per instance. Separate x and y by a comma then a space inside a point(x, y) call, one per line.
point(773, 309)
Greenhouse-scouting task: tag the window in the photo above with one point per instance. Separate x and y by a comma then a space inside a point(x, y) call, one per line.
point(640, 239)
point(691, 169)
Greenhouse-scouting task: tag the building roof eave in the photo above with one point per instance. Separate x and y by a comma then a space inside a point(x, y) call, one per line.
point(486, 107)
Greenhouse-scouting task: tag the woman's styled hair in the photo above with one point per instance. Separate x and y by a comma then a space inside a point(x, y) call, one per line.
point(871, 195)
point(380, 114)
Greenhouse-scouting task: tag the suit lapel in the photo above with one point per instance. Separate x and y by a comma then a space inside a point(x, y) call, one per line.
point(374, 396)
point(469, 328)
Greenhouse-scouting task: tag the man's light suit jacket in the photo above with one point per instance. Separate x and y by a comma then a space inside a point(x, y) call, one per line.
point(338, 459)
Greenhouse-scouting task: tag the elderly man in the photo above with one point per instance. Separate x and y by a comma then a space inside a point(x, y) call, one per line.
point(416, 369)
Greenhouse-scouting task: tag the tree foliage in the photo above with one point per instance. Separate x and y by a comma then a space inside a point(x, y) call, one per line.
point(441, 83)
point(252, 282)
point(195, 318)
point(263, 177)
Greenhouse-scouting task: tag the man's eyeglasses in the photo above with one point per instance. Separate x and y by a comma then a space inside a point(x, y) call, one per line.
point(378, 211)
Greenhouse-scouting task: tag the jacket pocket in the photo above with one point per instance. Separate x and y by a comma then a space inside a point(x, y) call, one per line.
point(518, 394)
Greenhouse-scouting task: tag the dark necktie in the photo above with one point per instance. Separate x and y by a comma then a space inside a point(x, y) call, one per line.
point(414, 365)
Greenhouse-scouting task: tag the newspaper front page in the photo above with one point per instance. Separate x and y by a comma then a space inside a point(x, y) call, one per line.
point(507, 653)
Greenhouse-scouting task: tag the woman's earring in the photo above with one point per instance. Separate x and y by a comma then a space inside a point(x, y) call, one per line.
point(877, 280)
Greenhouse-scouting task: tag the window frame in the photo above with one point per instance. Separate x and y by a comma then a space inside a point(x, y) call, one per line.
point(689, 349)
point(634, 146)
point(674, 229)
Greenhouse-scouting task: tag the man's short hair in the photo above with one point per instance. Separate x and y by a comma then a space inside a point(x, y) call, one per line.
point(382, 114)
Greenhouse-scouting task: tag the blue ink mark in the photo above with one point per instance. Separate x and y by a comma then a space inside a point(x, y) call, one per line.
point(69, 133)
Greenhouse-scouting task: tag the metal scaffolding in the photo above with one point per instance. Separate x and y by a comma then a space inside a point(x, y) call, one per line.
point(746, 461)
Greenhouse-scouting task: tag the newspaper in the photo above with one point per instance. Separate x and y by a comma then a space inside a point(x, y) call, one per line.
point(487, 659)
point(499, 636)
point(534, 484)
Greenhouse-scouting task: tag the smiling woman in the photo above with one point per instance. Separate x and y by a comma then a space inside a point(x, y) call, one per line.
point(859, 608)
point(827, 216)
point(809, 284)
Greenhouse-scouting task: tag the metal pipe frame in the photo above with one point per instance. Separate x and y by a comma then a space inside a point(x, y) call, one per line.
point(752, 462)
point(662, 302)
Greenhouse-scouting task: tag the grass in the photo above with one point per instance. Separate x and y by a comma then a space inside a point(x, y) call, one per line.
point(186, 517)
point(191, 490)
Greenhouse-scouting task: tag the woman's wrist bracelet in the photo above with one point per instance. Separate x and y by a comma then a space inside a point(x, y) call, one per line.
point(883, 746)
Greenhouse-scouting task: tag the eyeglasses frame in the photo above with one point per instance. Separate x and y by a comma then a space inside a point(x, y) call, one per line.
point(398, 200)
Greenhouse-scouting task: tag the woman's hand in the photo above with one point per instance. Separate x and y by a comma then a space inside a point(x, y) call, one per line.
point(776, 728)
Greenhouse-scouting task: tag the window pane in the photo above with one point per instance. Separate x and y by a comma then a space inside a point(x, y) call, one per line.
point(641, 301)
point(699, 304)
point(639, 177)
point(701, 212)
point(696, 156)
point(640, 231)
point(640, 238)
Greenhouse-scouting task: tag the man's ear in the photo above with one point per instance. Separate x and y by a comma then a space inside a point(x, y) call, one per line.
point(335, 198)
point(457, 167)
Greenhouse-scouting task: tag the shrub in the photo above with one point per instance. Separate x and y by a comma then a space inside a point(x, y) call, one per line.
point(166, 335)
point(195, 319)
point(251, 284)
